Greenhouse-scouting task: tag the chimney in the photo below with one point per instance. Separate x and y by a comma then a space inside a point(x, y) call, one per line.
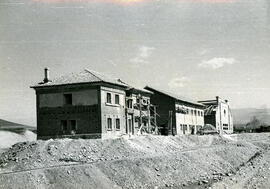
point(46, 75)
point(217, 98)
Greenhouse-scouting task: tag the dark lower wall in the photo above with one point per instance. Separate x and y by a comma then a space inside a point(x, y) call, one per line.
point(164, 105)
point(49, 120)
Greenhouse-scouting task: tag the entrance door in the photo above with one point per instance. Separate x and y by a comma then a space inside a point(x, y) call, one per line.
point(130, 125)
point(130, 128)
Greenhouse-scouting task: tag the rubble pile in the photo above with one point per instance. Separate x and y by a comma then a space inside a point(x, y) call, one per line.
point(139, 162)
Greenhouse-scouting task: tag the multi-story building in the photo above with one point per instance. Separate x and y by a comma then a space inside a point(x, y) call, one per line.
point(218, 114)
point(86, 104)
point(138, 111)
point(177, 115)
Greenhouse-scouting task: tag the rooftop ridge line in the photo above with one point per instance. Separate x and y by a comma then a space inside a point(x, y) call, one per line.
point(92, 74)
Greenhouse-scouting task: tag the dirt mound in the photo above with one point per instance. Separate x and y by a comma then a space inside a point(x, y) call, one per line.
point(7, 138)
point(140, 162)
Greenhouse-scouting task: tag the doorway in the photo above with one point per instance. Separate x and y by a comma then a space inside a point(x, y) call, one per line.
point(130, 126)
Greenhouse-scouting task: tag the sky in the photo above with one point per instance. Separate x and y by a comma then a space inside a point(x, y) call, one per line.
point(194, 48)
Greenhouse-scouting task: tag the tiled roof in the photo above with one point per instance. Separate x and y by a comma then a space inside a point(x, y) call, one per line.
point(86, 76)
point(176, 97)
point(140, 89)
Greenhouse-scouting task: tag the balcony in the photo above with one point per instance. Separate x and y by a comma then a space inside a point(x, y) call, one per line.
point(130, 110)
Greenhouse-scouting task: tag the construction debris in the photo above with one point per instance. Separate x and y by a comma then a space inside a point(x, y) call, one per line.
point(138, 162)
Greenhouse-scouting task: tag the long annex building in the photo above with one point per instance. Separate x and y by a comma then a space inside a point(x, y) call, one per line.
point(92, 105)
point(177, 115)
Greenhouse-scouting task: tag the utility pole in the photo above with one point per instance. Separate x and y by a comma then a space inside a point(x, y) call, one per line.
point(140, 109)
point(155, 120)
point(170, 129)
point(149, 118)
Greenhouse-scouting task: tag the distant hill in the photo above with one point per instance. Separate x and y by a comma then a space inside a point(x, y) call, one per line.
point(245, 115)
point(14, 127)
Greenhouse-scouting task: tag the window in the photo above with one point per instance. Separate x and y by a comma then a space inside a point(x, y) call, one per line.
point(117, 99)
point(109, 98)
point(191, 112)
point(109, 124)
point(68, 99)
point(129, 103)
point(224, 113)
point(73, 125)
point(64, 125)
point(117, 124)
point(195, 112)
point(225, 127)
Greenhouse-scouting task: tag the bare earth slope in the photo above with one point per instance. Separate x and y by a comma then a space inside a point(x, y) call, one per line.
point(140, 162)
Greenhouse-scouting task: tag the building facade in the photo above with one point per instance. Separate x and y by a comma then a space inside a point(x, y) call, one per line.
point(218, 114)
point(177, 115)
point(138, 111)
point(84, 105)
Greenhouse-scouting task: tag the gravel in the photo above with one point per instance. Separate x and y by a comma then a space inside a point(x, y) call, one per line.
point(138, 162)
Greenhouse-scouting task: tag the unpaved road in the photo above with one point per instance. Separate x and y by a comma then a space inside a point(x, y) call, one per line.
point(143, 162)
point(254, 174)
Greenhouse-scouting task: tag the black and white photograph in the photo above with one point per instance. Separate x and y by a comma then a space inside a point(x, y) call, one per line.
point(135, 94)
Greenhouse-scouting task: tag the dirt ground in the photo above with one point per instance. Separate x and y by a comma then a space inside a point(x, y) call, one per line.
point(254, 174)
point(232, 161)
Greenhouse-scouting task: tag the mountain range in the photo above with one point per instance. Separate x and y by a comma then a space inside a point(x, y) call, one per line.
point(14, 127)
point(245, 115)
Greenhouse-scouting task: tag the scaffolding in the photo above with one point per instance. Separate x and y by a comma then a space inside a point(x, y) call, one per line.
point(147, 113)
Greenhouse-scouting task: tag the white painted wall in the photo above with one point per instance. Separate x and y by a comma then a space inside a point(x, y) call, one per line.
point(113, 111)
point(224, 116)
point(188, 119)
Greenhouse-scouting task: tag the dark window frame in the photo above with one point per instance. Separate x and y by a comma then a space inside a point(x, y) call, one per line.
point(117, 99)
point(129, 103)
point(117, 124)
point(109, 124)
point(109, 98)
point(72, 125)
point(64, 125)
point(68, 99)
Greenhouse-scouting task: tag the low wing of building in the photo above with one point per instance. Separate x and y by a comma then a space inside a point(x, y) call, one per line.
point(177, 115)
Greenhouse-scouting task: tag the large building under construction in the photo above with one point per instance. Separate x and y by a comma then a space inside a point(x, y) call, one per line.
point(91, 105)
point(218, 113)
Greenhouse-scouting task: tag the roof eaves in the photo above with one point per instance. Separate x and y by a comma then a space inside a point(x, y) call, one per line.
point(64, 84)
point(140, 90)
